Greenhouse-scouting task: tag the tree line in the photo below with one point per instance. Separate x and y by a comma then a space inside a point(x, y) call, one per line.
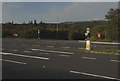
point(66, 30)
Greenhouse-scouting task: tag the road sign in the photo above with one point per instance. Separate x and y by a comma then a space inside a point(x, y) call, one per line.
point(99, 35)
point(15, 35)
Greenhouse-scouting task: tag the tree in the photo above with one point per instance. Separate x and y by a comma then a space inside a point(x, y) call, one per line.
point(35, 22)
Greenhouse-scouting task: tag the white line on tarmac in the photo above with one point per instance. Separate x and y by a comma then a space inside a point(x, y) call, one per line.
point(81, 48)
point(13, 61)
point(52, 51)
point(15, 50)
point(64, 55)
point(35, 57)
point(115, 60)
point(65, 47)
point(50, 46)
point(89, 74)
point(89, 58)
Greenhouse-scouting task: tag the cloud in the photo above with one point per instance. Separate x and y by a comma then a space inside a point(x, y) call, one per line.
point(8, 9)
point(76, 11)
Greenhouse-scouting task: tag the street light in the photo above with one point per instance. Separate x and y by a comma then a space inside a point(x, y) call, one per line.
point(57, 28)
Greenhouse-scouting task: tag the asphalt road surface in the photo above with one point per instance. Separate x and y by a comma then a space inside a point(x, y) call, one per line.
point(47, 59)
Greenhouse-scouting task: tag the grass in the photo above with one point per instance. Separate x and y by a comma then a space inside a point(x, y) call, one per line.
point(104, 51)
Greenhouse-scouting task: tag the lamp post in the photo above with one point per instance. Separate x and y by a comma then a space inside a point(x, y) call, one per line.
point(57, 28)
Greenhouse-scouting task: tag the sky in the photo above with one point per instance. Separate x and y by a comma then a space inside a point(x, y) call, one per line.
point(59, 0)
point(51, 11)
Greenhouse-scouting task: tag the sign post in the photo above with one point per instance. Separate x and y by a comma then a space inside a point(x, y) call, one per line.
point(38, 33)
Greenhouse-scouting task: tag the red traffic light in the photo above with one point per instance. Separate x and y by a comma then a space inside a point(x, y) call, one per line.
point(99, 35)
point(15, 35)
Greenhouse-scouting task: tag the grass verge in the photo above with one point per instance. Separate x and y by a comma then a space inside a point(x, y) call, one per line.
point(103, 51)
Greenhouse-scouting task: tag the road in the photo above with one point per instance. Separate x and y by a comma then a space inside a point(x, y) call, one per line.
point(58, 59)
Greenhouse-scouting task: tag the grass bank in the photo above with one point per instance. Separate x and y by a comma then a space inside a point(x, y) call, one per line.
point(103, 51)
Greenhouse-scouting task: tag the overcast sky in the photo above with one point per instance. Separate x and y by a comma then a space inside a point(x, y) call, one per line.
point(49, 11)
point(59, 0)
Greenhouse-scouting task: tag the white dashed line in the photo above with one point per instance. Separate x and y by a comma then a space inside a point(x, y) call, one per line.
point(115, 60)
point(50, 46)
point(52, 51)
point(66, 47)
point(89, 58)
point(89, 74)
point(15, 50)
point(46, 53)
point(81, 48)
point(13, 61)
point(64, 55)
point(35, 57)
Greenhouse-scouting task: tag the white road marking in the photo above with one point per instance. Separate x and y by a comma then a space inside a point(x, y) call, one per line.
point(89, 58)
point(65, 47)
point(13, 61)
point(15, 50)
point(28, 51)
point(81, 48)
point(89, 74)
point(50, 46)
point(64, 55)
point(115, 60)
point(46, 53)
point(27, 56)
point(52, 51)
